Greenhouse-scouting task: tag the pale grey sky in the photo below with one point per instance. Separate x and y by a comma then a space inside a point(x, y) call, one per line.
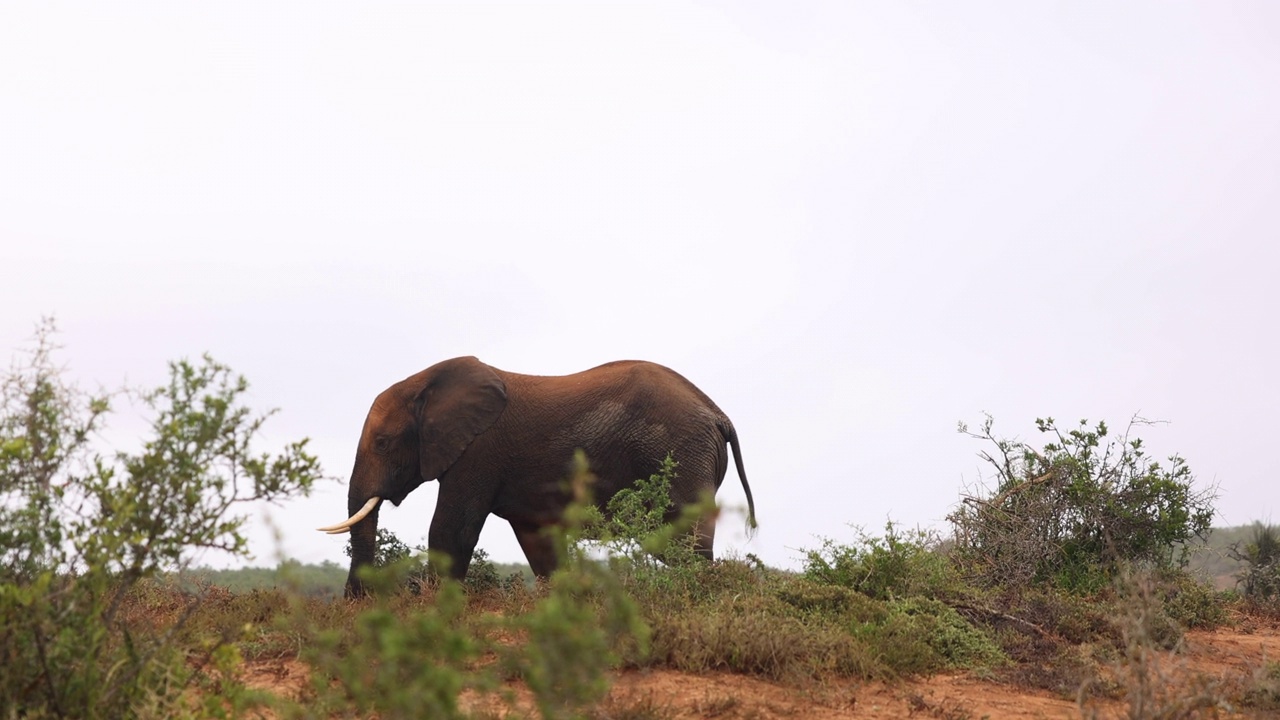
point(851, 224)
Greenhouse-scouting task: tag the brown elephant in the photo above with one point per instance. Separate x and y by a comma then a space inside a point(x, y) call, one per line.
point(501, 443)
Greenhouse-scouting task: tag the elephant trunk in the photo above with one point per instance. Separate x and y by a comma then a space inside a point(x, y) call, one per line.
point(364, 545)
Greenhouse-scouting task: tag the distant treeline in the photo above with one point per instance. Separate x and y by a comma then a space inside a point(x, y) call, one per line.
point(1209, 560)
point(324, 580)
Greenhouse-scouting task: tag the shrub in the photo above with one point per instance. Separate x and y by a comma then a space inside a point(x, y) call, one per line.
point(388, 549)
point(813, 597)
point(1155, 683)
point(900, 564)
point(918, 635)
point(1260, 579)
point(759, 635)
point(1072, 513)
point(394, 663)
point(79, 532)
point(1191, 602)
point(585, 625)
point(649, 552)
point(1264, 691)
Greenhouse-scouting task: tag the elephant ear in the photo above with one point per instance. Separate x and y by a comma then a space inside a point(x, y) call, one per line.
point(460, 400)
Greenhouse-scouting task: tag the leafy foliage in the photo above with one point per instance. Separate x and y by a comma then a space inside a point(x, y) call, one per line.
point(1260, 579)
point(1264, 694)
point(911, 627)
point(89, 630)
point(647, 550)
point(81, 529)
point(921, 635)
point(586, 624)
point(46, 425)
point(899, 564)
point(395, 664)
point(1075, 511)
point(388, 549)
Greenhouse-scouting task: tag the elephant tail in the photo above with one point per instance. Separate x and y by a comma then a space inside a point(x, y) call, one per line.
point(731, 436)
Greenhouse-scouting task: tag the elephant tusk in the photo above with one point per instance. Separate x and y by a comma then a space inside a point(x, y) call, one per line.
point(345, 525)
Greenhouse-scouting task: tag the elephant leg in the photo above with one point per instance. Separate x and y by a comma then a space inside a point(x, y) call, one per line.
point(704, 536)
point(538, 548)
point(704, 529)
point(455, 530)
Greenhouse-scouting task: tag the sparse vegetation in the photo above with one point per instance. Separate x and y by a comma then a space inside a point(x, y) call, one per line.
point(82, 528)
point(1153, 682)
point(1259, 581)
point(1077, 511)
point(97, 618)
point(1264, 691)
point(898, 565)
point(392, 661)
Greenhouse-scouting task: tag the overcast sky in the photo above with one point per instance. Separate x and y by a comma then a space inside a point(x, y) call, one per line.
point(852, 224)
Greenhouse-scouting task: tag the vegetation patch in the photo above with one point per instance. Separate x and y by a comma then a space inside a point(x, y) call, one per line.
point(1069, 575)
point(1074, 512)
point(760, 635)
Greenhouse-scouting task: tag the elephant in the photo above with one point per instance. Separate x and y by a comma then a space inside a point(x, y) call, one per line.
point(501, 443)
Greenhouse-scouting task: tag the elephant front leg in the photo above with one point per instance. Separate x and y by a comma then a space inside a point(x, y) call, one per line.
point(455, 530)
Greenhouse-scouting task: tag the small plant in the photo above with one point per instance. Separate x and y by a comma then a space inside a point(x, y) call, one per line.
point(898, 565)
point(411, 566)
point(395, 662)
point(1264, 691)
point(483, 575)
point(650, 553)
point(1155, 683)
point(584, 626)
point(1260, 579)
point(920, 635)
point(81, 529)
point(389, 549)
point(1073, 512)
point(757, 634)
point(1191, 602)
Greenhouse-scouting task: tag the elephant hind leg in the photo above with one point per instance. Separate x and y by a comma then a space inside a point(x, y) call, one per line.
point(704, 535)
point(538, 548)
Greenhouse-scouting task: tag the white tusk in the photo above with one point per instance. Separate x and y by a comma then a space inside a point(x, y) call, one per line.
point(345, 525)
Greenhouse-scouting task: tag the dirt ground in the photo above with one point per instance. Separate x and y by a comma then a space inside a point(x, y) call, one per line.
point(1223, 656)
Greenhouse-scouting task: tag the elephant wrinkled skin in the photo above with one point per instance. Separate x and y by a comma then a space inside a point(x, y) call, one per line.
point(501, 443)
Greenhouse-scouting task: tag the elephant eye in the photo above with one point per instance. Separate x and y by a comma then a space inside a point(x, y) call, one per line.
point(381, 443)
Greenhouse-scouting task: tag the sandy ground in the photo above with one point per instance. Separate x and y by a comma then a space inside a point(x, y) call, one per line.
point(1222, 656)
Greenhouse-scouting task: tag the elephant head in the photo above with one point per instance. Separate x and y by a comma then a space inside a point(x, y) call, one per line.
point(414, 432)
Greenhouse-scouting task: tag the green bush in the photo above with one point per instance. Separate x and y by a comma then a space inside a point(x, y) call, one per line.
point(814, 597)
point(1190, 602)
point(918, 635)
point(482, 575)
point(900, 564)
point(759, 635)
point(1260, 579)
point(584, 627)
point(388, 549)
point(1073, 618)
point(1264, 691)
point(1075, 511)
point(394, 662)
point(649, 553)
point(80, 530)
